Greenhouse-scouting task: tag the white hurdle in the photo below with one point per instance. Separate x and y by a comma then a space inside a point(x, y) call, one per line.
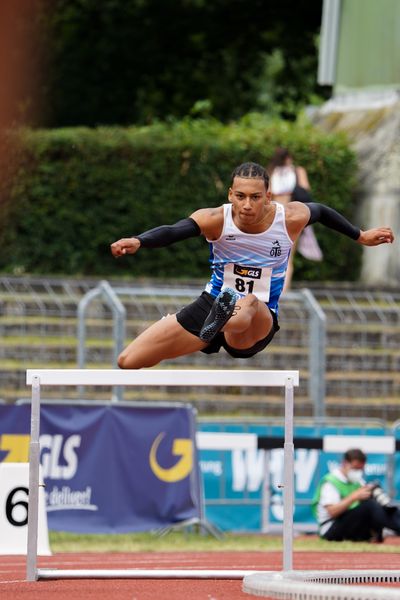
point(156, 377)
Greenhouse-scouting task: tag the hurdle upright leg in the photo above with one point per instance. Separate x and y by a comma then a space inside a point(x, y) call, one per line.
point(288, 477)
point(33, 502)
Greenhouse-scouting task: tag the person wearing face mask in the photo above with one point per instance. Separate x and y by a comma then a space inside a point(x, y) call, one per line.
point(348, 508)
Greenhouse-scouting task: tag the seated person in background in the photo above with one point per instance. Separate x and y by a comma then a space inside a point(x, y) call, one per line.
point(289, 182)
point(348, 508)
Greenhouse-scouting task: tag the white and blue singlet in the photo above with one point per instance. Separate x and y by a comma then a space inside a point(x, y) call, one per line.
point(251, 262)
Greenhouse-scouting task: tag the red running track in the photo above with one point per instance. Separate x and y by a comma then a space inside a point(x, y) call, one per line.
point(14, 587)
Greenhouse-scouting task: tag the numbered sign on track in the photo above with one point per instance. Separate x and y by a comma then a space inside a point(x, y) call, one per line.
point(14, 497)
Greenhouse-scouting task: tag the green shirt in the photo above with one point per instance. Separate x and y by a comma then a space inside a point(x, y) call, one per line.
point(345, 488)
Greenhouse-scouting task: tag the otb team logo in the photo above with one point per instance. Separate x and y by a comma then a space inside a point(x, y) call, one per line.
point(252, 272)
point(276, 249)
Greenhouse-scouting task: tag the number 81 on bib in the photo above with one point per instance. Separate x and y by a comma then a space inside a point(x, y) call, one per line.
point(248, 280)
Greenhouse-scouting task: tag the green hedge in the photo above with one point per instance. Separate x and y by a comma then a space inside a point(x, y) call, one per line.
point(77, 190)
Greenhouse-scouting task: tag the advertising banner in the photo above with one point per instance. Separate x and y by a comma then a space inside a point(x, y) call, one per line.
point(108, 468)
point(118, 468)
point(243, 488)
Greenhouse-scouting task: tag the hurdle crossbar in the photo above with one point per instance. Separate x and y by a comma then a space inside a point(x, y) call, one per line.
point(155, 377)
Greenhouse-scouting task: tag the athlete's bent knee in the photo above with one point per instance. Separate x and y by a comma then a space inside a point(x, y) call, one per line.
point(249, 301)
point(124, 362)
point(128, 361)
point(252, 298)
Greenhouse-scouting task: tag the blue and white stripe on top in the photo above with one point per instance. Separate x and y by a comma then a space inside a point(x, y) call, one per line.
point(251, 262)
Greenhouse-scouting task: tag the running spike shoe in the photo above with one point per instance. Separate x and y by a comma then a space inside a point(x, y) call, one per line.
point(221, 311)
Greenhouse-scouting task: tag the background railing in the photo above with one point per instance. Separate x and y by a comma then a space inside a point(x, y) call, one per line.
point(345, 342)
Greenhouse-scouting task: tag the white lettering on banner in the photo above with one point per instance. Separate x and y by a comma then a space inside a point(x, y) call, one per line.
point(305, 463)
point(211, 466)
point(54, 449)
point(276, 468)
point(277, 506)
point(248, 467)
point(67, 499)
point(370, 469)
point(70, 456)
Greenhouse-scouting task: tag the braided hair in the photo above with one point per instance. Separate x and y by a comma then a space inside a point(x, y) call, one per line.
point(251, 170)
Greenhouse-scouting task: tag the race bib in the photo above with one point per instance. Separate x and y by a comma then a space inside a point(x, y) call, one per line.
point(248, 280)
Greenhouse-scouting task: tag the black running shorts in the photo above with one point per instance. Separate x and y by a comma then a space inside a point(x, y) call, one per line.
point(192, 317)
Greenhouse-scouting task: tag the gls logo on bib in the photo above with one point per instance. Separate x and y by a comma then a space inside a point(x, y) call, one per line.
point(252, 272)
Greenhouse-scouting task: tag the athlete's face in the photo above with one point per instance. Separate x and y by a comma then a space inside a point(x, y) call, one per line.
point(250, 199)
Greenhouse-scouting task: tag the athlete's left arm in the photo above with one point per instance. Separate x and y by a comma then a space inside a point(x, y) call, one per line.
point(319, 213)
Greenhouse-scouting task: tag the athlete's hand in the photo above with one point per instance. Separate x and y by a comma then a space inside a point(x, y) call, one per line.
point(125, 246)
point(375, 237)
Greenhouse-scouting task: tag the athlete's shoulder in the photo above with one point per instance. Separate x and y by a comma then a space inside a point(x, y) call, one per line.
point(210, 220)
point(297, 215)
point(297, 210)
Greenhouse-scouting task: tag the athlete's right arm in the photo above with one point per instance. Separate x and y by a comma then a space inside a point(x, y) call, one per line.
point(125, 246)
point(157, 237)
point(200, 222)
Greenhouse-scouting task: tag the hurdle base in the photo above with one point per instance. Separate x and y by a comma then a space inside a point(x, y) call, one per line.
point(142, 573)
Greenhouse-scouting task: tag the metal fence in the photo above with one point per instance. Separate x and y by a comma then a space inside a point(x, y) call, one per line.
point(363, 348)
point(168, 300)
point(350, 370)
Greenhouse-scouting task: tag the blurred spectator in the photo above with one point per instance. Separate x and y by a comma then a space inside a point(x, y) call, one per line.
point(348, 508)
point(289, 182)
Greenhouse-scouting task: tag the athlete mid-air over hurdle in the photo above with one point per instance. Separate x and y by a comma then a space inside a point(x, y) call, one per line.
point(250, 240)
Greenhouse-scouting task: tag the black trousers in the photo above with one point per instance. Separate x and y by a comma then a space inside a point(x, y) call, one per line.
point(364, 522)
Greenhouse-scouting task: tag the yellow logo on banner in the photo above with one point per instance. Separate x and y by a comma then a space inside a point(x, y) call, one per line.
point(181, 447)
point(17, 446)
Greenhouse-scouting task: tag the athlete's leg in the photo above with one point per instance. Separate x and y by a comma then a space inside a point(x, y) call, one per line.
point(250, 323)
point(164, 339)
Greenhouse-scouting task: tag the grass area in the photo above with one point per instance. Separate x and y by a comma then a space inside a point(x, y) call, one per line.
point(195, 542)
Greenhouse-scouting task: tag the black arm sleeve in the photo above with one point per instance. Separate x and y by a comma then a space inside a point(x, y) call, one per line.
point(169, 234)
point(332, 219)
